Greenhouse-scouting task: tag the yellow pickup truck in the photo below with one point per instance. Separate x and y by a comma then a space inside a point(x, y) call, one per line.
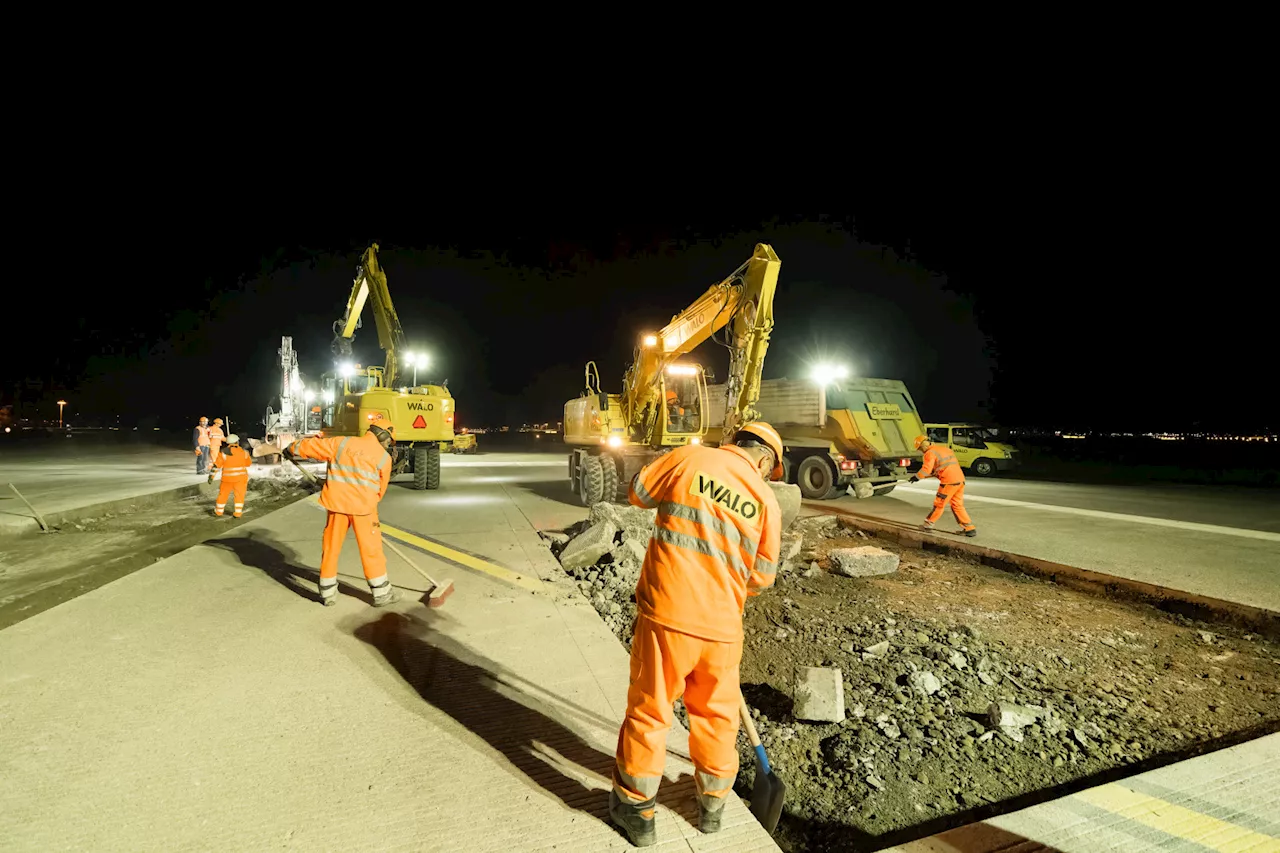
point(975, 447)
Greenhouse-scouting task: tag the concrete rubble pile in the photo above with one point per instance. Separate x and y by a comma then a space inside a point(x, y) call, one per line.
point(604, 555)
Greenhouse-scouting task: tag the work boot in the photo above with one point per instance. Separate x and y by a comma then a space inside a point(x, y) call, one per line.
point(971, 532)
point(641, 831)
point(709, 821)
point(385, 594)
point(329, 593)
point(928, 525)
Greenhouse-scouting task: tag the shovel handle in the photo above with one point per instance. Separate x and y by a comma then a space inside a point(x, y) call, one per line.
point(752, 734)
point(305, 472)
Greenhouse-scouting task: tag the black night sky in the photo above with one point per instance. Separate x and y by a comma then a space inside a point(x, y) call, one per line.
point(995, 321)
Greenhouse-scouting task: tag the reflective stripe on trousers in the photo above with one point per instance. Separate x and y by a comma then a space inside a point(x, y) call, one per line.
point(665, 665)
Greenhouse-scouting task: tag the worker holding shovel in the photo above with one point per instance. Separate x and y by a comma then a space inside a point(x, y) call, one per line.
point(359, 472)
point(716, 542)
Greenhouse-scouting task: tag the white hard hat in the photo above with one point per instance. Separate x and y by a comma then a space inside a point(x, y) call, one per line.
point(233, 439)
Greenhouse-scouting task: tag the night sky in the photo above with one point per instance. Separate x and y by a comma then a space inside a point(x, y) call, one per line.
point(994, 321)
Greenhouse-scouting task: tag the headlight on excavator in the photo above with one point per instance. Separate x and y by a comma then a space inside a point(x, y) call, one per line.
point(615, 441)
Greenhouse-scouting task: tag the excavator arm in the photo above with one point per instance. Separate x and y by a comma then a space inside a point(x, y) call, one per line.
point(370, 281)
point(743, 299)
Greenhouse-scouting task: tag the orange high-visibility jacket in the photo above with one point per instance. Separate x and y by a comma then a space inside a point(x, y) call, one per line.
point(201, 436)
point(358, 475)
point(717, 539)
point(234, 461)
point(941, 462)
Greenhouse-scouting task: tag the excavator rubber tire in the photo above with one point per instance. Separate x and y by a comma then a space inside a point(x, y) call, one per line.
point(610, 471)
point(591, 484)
point(426, 468)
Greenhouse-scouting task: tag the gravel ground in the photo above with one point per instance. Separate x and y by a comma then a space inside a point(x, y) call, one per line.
point(1083, 685)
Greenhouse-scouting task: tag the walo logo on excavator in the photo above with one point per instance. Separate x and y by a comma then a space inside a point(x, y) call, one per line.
point(706, 487)
point(421, 407)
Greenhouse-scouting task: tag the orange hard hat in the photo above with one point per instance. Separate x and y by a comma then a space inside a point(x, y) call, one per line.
point(919, 440)
point(772, 440)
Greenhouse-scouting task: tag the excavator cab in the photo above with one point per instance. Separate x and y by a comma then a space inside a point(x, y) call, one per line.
point(684, 401)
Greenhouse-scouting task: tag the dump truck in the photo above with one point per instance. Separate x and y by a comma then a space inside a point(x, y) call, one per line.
point(852, 436)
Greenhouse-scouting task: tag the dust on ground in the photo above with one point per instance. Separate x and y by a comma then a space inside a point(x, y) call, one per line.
point(1094, 686)
point(39, 571)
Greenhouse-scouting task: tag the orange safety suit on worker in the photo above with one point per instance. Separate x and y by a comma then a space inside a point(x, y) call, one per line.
point(715, 543)
point(940, 462)
point(216, 438)
point(359, 472)
point(234, 463)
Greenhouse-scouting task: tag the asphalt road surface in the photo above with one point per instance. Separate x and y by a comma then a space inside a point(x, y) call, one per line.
point(1217, 541)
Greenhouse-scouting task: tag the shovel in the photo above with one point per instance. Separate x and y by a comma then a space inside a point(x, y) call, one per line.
point(769, 791)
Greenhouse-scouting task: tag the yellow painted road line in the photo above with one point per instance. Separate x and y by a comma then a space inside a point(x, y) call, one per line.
point(463, 558)
point(1179, 821)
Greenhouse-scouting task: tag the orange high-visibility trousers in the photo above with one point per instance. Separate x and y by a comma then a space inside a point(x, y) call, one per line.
point(953, 495)
point(368, 540)
point(236, 483)
point(664, 665)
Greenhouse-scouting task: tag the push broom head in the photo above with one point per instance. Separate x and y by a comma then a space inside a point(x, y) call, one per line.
point(436, 596)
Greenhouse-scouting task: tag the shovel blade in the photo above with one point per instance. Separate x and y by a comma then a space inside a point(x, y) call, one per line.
point(767, 796)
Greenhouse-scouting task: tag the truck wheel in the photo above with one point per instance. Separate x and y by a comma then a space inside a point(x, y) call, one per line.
point(573, 475)
point(609, 469)
point(816, 478)
point(984, 467)
point(788, 470)
point(590, 480)
point(426, 467)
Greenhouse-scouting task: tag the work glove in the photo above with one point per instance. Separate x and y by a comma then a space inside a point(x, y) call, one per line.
point(914, 479)
point(210, 480)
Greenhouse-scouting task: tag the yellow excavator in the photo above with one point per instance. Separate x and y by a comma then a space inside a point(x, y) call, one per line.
point(420, 417)
point(663, 404)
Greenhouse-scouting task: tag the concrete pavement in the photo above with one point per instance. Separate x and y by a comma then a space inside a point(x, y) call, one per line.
point(59, 477)
point(1218, 542)
point(1227, 801)
point(209, 702)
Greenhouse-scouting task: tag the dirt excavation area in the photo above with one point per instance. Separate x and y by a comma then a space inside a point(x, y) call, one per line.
point(42, 570)
point(899, 692)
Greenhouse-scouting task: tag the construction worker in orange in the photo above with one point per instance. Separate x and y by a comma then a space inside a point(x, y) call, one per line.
point(715, 543)
point(216, 437)
point(359, 472)
point(940, 462)
point(200, 441)
point(233, 461)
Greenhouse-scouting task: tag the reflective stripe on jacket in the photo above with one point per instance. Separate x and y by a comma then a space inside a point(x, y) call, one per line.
point(358, 474)
point(716, 541)
point(940, 462)
point(234, 462)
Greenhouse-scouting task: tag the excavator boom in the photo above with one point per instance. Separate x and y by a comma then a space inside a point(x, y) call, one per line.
point(370, 281)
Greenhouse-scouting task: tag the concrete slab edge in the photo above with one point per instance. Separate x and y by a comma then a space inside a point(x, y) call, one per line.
point(1188, 604)
point(70, 516)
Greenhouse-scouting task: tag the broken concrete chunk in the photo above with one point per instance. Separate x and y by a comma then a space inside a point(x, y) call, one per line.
point(631, 552)
point(791, 543)
point(819, 694)
point(554, 539)
point(589, 546)
point(1206, 637)
point(879, 650)
point(863, 561)
point(1006, 714)
point(958, 660)
point(924, 682)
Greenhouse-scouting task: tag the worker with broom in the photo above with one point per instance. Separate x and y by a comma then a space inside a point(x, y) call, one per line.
point(359, 471)
point(716, 542)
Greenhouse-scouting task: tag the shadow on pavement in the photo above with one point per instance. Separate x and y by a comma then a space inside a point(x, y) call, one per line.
point(553, 490)
point(279, 562)
point(477, 693)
